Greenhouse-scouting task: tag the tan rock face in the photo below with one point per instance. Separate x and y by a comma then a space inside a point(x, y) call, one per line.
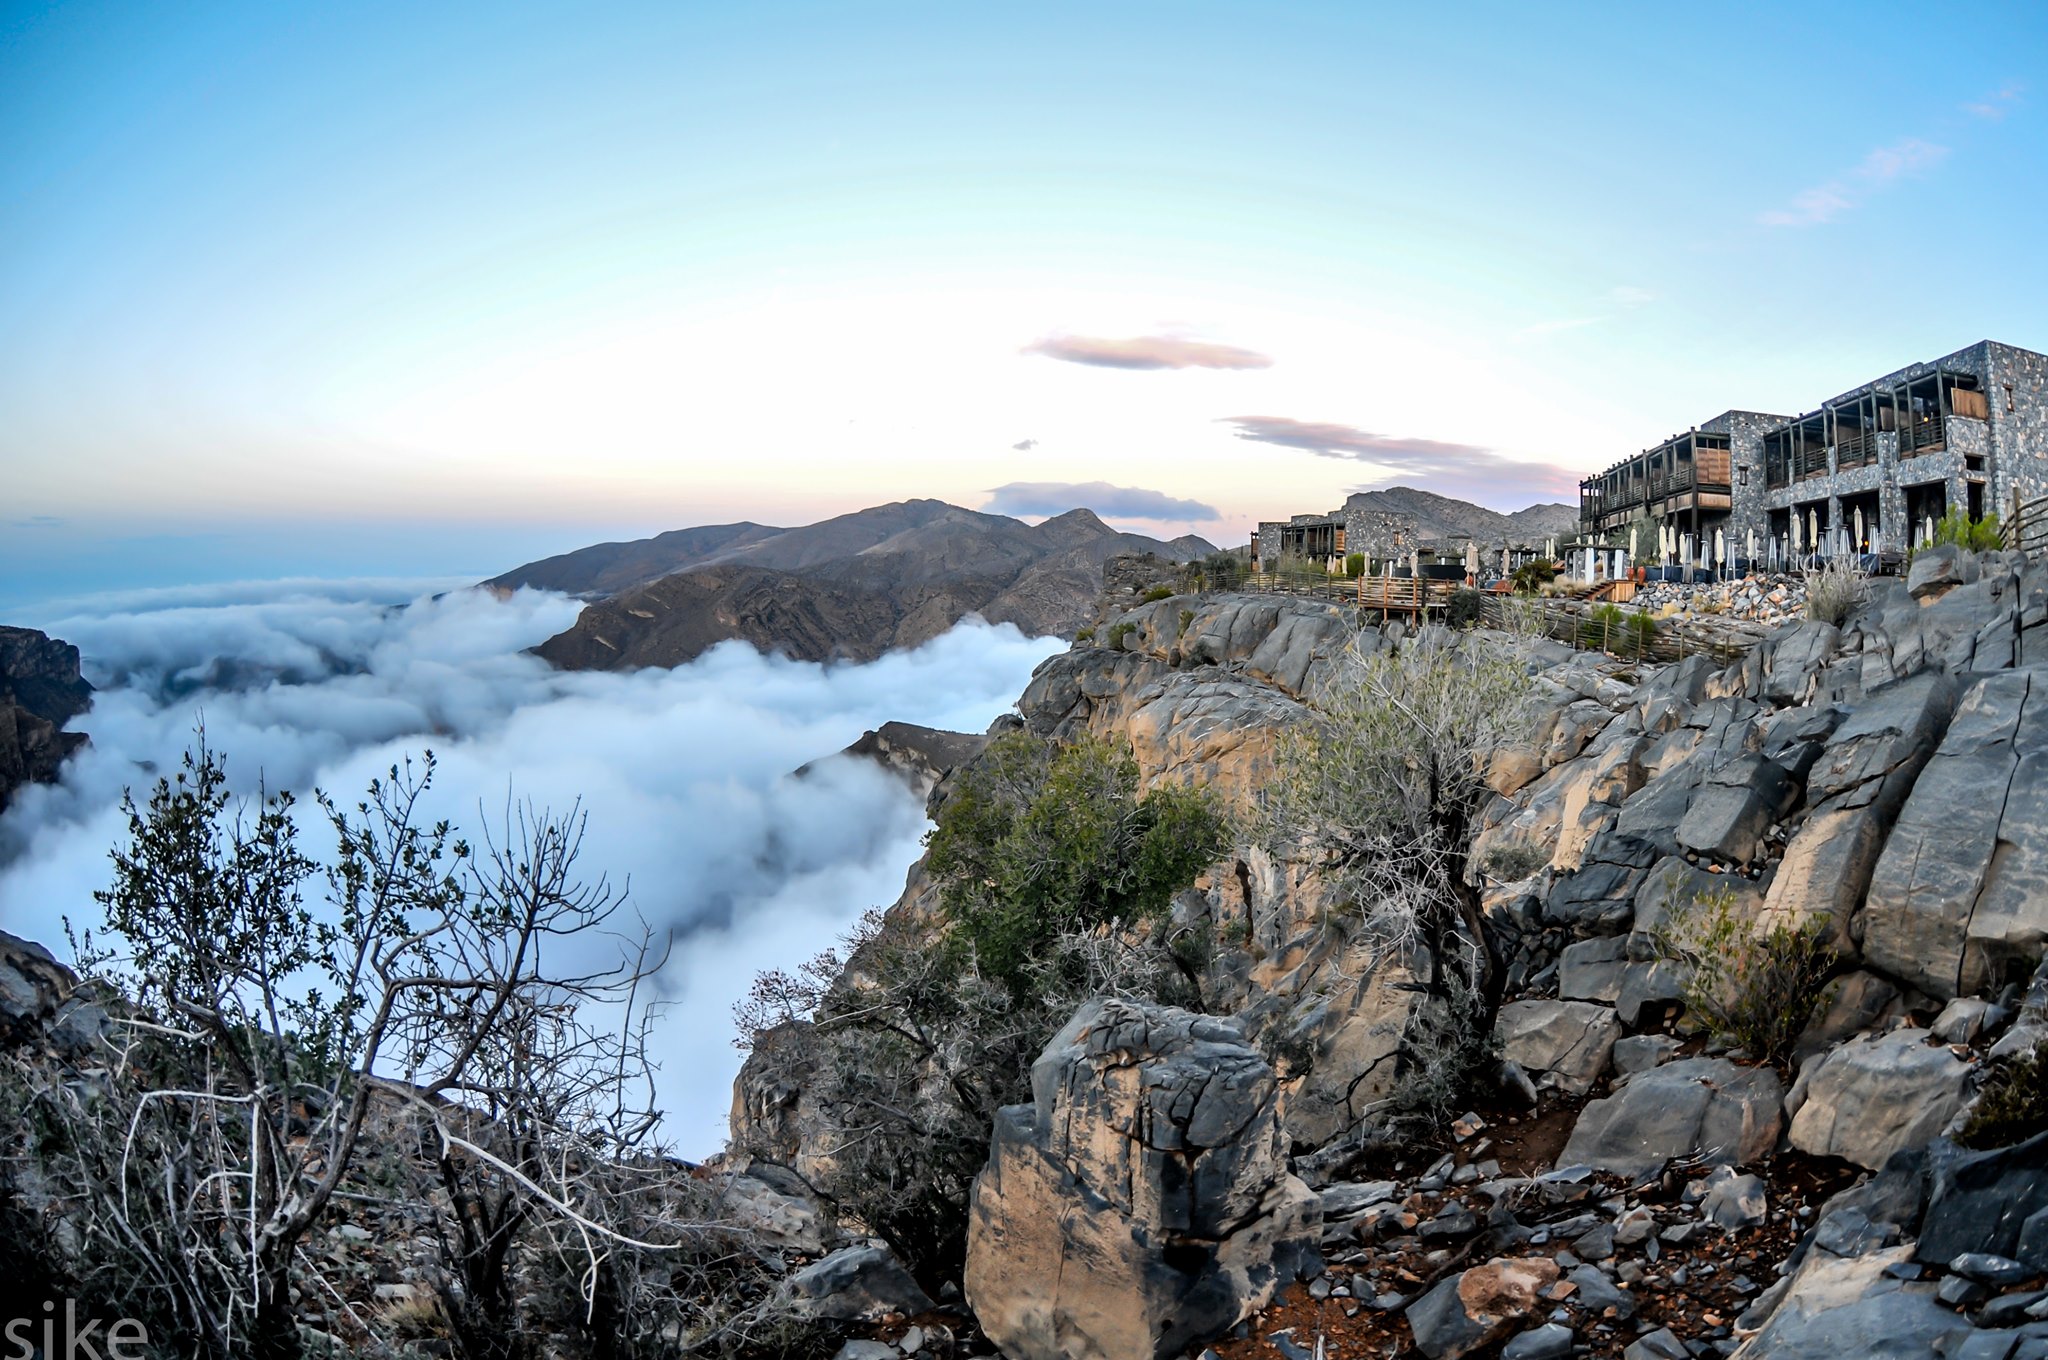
point(1504, 1289)
point(1141, 1203)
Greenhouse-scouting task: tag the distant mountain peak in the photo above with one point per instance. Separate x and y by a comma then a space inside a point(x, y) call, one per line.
point(854, 585)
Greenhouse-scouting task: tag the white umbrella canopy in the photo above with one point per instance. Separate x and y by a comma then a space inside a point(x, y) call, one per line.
point(1720, 547)
point(1749, 546)
point(1859, 528)
point(1795, 535)
point(1813, 529)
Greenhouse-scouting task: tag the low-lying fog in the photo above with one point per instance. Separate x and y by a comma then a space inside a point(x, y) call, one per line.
point(686, 774)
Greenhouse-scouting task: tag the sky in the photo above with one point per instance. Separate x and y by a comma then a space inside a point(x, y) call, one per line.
point(389, 289)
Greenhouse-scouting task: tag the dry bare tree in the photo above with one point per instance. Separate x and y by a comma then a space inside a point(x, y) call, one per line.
point(1383, 785)
point(268, 1036)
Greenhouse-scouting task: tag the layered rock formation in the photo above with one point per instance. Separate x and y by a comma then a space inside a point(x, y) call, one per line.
point(1873, 780)
point(40, 690)
point(1142, 1201)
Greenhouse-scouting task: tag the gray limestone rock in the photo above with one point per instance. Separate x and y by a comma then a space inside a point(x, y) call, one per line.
point(1878, 1095)
point(1564, 1044)
point(1940, 569)
point(1142, 1202)
point(1983, 1201)
point(1850, 1309)
point(1707, 1108)
point(1551, 1341)
point(1593, 970)
point(1641, 1052)
point(857, 1284)
point(1792, 658)
point(1958, 902)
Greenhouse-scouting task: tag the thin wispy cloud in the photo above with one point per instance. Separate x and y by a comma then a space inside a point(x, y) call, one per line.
point(1146, 352)
point(1880, 169)
point(1622, 297)
point(1996, 105)
point(1025, 445)
point(1332, 440)
point(37, 522)
point(1111, 502)
point(1465, 470)
point(1564, 323)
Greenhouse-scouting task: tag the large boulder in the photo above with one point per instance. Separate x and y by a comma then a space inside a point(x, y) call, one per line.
point(1985, 1202)
point(1940, 569)
point(1564, 1044)
point(857, 1284)
point(1958, 901)
point(1878, 1095)
point(1708, 1109)
point(1853, 1308)
point(1141, 1203)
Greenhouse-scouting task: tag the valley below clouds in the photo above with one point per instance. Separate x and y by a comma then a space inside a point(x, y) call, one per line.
point(686, 775)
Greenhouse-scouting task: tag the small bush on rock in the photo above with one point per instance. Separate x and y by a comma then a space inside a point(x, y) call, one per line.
point(1158, 593)
point(1464, 609)
point(1975, 535)
point(1834, 591)
point(2014, 1105)
point(1757, 988)
point(1053, 877)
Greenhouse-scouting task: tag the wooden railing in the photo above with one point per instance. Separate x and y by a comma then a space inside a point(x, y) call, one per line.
point(1594, 627)
point(2026, 526)
point(1395, 595)
point(1856, 448)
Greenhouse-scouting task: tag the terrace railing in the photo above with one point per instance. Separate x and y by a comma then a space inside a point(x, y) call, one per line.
point(2026, 528)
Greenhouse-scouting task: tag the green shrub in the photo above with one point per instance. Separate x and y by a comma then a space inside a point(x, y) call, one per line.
point(1085, 635)
point(1054, 878)
point(1038, 840)
point(1756, 988)
point(1464, 609)
point(2014, 1106)
point(1976, 535)
point(1531, 577)
point(1158, 593)
point(1354, 565)
point(1187, 616)
point(1513, 863)
point(1118, 632)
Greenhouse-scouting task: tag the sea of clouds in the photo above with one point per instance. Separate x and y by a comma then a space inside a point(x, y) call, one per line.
point(687, 775)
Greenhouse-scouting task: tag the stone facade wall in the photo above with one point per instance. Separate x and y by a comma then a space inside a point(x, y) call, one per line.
point(2017, 391)
point(1748, 513)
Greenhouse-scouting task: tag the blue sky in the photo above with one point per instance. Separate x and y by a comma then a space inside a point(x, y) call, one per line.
point(387, 288)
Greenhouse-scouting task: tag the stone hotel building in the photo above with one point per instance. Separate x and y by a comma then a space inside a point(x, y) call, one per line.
point(1868, 469)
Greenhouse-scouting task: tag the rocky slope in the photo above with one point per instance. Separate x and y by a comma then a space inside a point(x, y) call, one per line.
point(40, 691)
point(1633, 1190)
point(851, 587)
point(1411, 516)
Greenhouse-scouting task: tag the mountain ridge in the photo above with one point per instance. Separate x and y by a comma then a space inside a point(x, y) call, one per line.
point(847, 588)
